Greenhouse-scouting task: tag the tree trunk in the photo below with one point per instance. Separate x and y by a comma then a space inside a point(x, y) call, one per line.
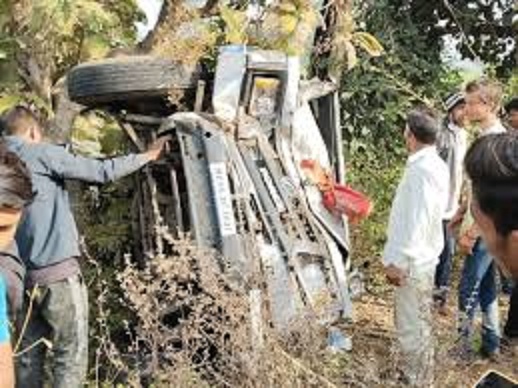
point(151, 37)
point(166, 20)
point(65, 111)
point(35, 76)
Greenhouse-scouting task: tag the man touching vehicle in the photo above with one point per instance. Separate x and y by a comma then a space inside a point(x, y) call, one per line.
point(48, 242)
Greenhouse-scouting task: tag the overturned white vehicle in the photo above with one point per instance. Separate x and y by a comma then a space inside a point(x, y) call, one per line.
point(233, 178)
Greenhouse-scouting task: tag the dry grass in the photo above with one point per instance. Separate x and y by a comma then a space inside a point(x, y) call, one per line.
point(371, 363)
point(191, 328)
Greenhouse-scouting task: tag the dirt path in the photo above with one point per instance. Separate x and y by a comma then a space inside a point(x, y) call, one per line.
point(373, 361)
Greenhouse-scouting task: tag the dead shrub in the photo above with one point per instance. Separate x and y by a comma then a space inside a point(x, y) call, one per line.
point(190, 326)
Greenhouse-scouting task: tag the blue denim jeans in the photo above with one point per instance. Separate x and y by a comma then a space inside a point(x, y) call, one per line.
point(478, 287)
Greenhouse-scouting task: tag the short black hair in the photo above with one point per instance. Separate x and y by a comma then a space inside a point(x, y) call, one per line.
point(15, 181)
point(492, 165)
point(424, 125)
point(511, 105)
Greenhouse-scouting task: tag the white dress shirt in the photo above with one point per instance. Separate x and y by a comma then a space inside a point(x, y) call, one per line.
point(455, 164)
point(495, 129)
point(468, 220)
point(415, 233)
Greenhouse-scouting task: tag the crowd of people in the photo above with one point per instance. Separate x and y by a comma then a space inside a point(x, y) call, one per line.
point(438, 210)
point(448, 199)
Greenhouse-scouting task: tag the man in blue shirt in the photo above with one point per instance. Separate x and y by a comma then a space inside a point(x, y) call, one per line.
point(6, 357)
point(15, 193)
point(48, 243)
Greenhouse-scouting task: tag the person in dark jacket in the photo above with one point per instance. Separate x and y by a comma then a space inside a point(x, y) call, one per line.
point(511, 325)
point(511, 110)
point(15, 193)
point(48, 243)
point(492, 165)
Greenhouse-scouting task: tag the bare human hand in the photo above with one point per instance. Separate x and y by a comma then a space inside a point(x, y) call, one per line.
point(155, 149)
point(395, 276)
point(466, 243)
point(453, 226)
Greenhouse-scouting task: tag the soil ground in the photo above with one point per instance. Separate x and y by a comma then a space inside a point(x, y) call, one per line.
point(373, 361)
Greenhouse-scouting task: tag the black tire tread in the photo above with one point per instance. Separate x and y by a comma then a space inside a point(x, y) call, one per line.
point(119, 79)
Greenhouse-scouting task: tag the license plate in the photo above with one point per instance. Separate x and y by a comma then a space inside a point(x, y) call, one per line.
point(223, 199)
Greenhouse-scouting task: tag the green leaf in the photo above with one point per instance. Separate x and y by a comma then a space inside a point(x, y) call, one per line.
point(9, 101)
point(369, 43)
point(95, 47)
point(235, 25)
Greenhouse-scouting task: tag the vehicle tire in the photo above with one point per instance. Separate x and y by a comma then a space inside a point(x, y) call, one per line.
point(128, 79)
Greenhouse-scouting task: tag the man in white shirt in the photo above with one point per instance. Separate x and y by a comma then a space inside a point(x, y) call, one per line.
point(414, 241)
point(452, 144)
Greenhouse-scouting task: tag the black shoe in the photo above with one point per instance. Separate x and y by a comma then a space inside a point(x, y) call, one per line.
point(493, 356)
point(509, 345)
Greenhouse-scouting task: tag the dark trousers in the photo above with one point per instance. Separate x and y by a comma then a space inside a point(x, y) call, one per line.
point(443, 270)
point(59, 317)
point(511, 326)
point(506, 283)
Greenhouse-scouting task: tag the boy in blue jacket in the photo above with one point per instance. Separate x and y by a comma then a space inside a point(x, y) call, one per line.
point(48, 242)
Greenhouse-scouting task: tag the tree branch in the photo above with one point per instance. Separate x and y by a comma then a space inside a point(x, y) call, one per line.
point(209, 7)
point(36, 77)
point(150, 38)
point(465, 39)
point(65, 111)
